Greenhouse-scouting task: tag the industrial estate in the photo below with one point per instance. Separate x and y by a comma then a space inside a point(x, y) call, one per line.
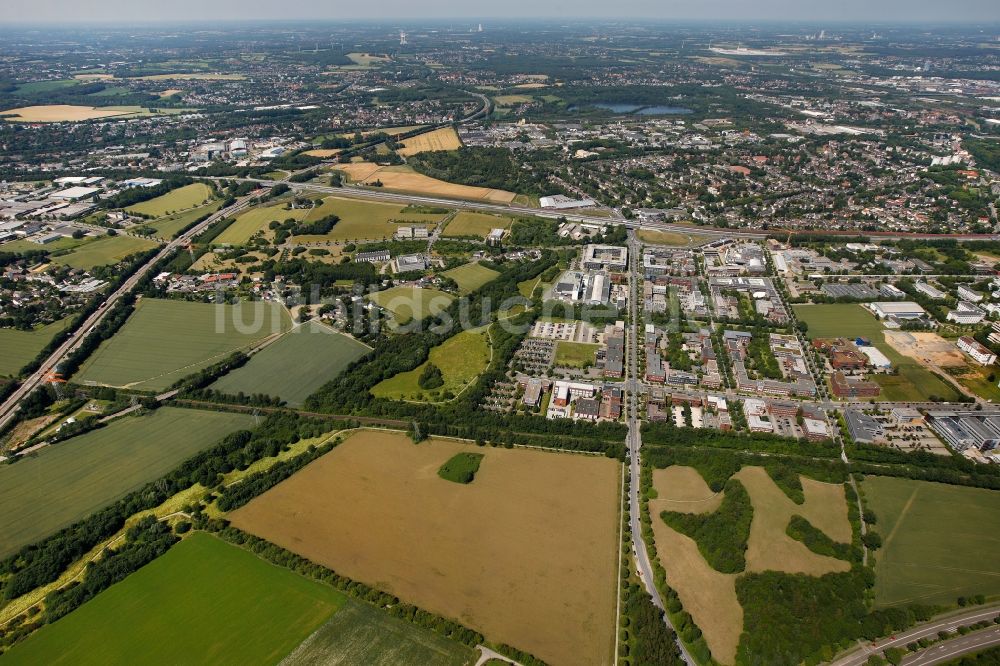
point(527, 343)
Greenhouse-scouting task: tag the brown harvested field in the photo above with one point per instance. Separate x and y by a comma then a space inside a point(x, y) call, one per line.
point(405, 179)
point(57, 113)
point(926, 346)
point(445, 138)
point(769, 548)
point(93, 77)
point(709, 596)
point(323, 153)
point(515, 555)
point(682, 489)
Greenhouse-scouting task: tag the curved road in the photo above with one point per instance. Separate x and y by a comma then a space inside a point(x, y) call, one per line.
point(973, 641)
point(9, 408)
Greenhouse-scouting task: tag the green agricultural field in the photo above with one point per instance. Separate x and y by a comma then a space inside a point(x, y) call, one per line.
point(166, 340)
point(360, 634)
point(849, 320)
point(204, 602)
point(365, 220)
point(461, 359)
point(189, 196)
point(574, 354)
point(935, 540)
point(249, 223)
point(36, 87)
point(294, 367)
point(471, 276)
point(65, 482)
point(104, 251)
point(405, 303)
point(475, 224)
point(169, 226)
point(17, 348)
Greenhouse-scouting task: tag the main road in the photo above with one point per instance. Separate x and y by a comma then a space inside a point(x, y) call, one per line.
point(935, 654)
point(9, 408)
point(642, 561)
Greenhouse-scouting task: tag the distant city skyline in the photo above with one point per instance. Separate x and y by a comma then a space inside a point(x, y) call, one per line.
point(63, 11)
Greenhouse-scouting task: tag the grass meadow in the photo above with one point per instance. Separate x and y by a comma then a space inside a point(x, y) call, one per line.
point(189, 196)
point(65, 482)
point(104, 251)
point(471, 276)
point(204, 602)
point(166, 340)
point(466, 223)
point(461, 358)
point(934, 540)
point(575, 354)
point(294, 367)
point(407, 303)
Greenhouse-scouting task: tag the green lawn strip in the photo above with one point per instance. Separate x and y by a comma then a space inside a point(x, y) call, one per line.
point(65, 482)
point(203, 602)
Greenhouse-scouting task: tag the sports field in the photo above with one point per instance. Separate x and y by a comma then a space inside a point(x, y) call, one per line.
point(360, 634)
point(104, 251)
point(17, 348)
point(180, 199)
point(203, 602)
point(574, 354)
point(475, 224)
point(513, 555)
point(471, 276)
point(461, 358)
point(407, 303)
point(849, 320)
point(934, 540)
point(445, 138)
point(365, 220)
point(65, 482)
point(166, 340)
point(249, 223)
point(404, 179)
point(294, 367)
point(710, 596)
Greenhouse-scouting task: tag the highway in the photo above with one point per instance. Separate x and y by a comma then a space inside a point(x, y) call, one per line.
point(936, 653)
point(634, 442)
point(974, 642)
point(9, 408)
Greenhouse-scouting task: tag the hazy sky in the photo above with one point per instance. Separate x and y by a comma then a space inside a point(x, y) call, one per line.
point(388, 10)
